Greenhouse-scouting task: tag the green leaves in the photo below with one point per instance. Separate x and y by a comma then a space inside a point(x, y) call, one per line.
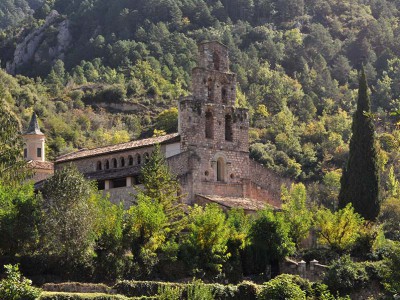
point(16, 287)
point(296, 213)
point(338, 230)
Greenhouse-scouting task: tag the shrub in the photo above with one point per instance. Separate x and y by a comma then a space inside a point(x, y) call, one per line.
point(76, 287)
point(247, 290)
point(199, 291)
point(243, 291)
point(16, 287)
point(169, 293)
point(142, 288)
point(87, 296)
point(281, 287)
point(345, 276)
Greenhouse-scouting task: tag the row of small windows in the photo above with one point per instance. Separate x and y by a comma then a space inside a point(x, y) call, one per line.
point(122, 162)
point(209, 130)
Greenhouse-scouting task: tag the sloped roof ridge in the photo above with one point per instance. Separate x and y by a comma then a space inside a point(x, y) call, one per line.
point(33, 127)
point(116, 148)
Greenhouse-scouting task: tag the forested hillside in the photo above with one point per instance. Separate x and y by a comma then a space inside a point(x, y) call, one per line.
point(13, 11)
point(296, 61)
point(100, 72)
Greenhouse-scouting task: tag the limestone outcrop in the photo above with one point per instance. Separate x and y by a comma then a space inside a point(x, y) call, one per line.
point(48, 42)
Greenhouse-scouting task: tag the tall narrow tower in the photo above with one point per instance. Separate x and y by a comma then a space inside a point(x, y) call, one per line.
point(212, 128)
point(34, 141)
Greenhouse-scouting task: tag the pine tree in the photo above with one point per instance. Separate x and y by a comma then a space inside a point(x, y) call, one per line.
point(160, 185)
point(360, 179)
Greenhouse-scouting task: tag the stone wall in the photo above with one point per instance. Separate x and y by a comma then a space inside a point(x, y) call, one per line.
point(213, 55)
point(266, 183)
point(122, 194)
point(313, 270)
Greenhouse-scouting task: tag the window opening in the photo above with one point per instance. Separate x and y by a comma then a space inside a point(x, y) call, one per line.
point(209, 125)
point(228, 128)
point(216, 61)
point(101, 185)
point(224, 96)
point(220, 169)
point(118, 182)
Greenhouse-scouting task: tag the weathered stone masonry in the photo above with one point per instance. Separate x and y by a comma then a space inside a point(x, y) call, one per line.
point(209, 155)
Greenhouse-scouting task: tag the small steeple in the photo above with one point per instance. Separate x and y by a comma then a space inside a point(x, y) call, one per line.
point(34, 141)
point(33, 126)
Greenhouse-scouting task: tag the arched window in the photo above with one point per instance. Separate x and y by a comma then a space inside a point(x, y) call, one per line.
point(146, 157)
point(107, 165)
point(228, 128)
point(122, 160)
point(138, 159)
point(130, 160)
point(224, 95)
point(209, 90)
point(209, 125)
point(98, 166)
point(114, 163)
point(220, 169)
point(216, 61)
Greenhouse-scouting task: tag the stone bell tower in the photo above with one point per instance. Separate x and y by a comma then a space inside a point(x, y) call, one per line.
point(209, 123)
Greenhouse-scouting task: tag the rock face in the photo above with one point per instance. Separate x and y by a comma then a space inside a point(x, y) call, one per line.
point(48, 42)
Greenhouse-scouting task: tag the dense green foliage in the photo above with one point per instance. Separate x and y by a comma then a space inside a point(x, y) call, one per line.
point(12, 12)
point(360, 179)
point(69, 217)
point(297, 73)
point(118, 79)
point(12, 164)
point(16, 287)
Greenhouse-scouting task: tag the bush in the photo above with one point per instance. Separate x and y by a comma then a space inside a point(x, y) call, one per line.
point(247, 291)
point(16, 287)
point(199, 291)
point(281, 287)
point(345, 276)
point(243, 291)
point(87, 296)
point(76, 287)
point(142, 288)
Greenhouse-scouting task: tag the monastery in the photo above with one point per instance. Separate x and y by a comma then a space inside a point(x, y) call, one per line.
point(209, 155)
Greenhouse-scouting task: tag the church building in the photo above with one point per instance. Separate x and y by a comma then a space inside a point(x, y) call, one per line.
point(34, 151)
point(209, 155)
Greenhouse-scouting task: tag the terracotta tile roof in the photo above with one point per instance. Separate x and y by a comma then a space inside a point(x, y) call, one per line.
point(169, 138)
point(43, 165)
point(231, 202)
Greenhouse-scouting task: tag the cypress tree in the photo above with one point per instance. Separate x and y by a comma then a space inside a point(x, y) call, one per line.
point(360, 178)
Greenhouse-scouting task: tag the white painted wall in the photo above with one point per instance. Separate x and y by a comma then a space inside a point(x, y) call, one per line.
point(172, 149)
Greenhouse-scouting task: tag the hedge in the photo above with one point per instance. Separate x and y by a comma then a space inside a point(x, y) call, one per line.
point(76, 287)
point(87, 296)
point(243, 291)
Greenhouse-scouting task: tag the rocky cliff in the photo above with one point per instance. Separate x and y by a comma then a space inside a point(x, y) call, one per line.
point(48, 42)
